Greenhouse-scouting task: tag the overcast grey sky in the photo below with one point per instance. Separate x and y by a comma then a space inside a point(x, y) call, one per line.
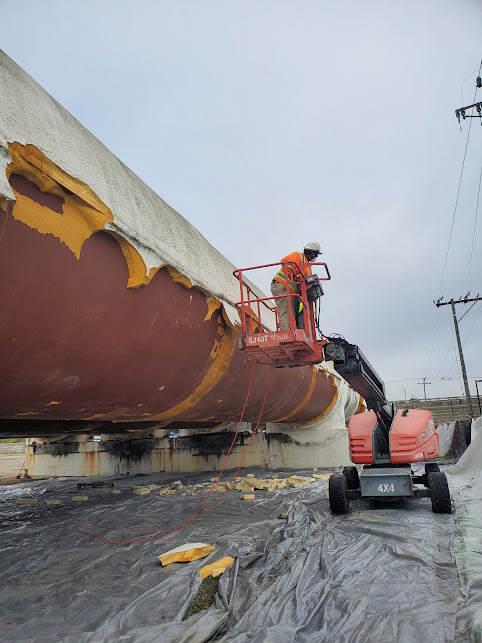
point(270, 123)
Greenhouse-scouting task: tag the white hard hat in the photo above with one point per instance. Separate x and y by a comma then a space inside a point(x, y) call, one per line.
point(313, 245)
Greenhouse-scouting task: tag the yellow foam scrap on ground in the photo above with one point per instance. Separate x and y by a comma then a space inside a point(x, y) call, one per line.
point(321, 476)
point(163, 492)
point(53, 501)
point(263, 485)
point(186, 553)
point(302, 479)
point(298, 481)
point(217, 568)
point(79, 498)
point(238, 479)
point(249, 496)
point(116, 490)
point(250, 475)
point(140, 486)
point(253, 482)
point(26, 501)
point(315, 469)
point(141, 492)
point(171, 492)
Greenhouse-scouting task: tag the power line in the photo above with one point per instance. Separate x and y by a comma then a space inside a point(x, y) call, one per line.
point(453, 217)
point(475, 226)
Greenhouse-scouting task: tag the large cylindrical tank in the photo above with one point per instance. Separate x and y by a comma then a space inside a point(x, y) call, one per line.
point(113, 306)
point(78, 344)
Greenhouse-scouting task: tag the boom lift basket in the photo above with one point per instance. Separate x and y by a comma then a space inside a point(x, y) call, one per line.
point(279, 348)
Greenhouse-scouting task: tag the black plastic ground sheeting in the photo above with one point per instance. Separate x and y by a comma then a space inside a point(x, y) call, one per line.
point(385, 572)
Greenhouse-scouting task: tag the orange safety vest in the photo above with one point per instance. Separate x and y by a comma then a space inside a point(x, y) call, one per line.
point(293, 274)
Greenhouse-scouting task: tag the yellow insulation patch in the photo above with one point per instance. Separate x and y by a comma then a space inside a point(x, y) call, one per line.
point(186, 553)
point(28, 161)
point(213, 305)
point(177, 276)
point(217, 568)
point(362, 407)
point(79, 219)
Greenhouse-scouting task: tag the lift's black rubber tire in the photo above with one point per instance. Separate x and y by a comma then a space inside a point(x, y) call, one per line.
point(439, 493)
point(352, 478)
point(430, 467)
point(337, 486)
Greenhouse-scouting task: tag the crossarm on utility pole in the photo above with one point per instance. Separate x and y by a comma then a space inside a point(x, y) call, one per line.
point(459, 343)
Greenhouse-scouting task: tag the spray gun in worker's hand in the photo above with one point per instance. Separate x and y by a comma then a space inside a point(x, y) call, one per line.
point(313, 288)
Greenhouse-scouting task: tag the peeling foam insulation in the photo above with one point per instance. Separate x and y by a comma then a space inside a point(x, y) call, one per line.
point(43, 135)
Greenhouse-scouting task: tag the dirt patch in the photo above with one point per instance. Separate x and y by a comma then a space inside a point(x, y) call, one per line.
point(204, 598)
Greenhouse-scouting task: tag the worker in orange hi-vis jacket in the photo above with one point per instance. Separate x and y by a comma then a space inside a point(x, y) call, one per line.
point(279, 286)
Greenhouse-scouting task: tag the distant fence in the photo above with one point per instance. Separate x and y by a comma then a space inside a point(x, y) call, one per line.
point(444, 409)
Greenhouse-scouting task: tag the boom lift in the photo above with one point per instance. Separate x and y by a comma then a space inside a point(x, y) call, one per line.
point(386, 441)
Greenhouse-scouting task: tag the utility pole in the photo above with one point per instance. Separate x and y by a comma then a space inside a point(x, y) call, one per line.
point(425, 383)
point(452, 303)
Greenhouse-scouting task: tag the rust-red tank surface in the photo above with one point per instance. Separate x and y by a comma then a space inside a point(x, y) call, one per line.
point(77, 344)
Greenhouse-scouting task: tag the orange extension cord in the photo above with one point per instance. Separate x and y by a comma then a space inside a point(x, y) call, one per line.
point(195, 516)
